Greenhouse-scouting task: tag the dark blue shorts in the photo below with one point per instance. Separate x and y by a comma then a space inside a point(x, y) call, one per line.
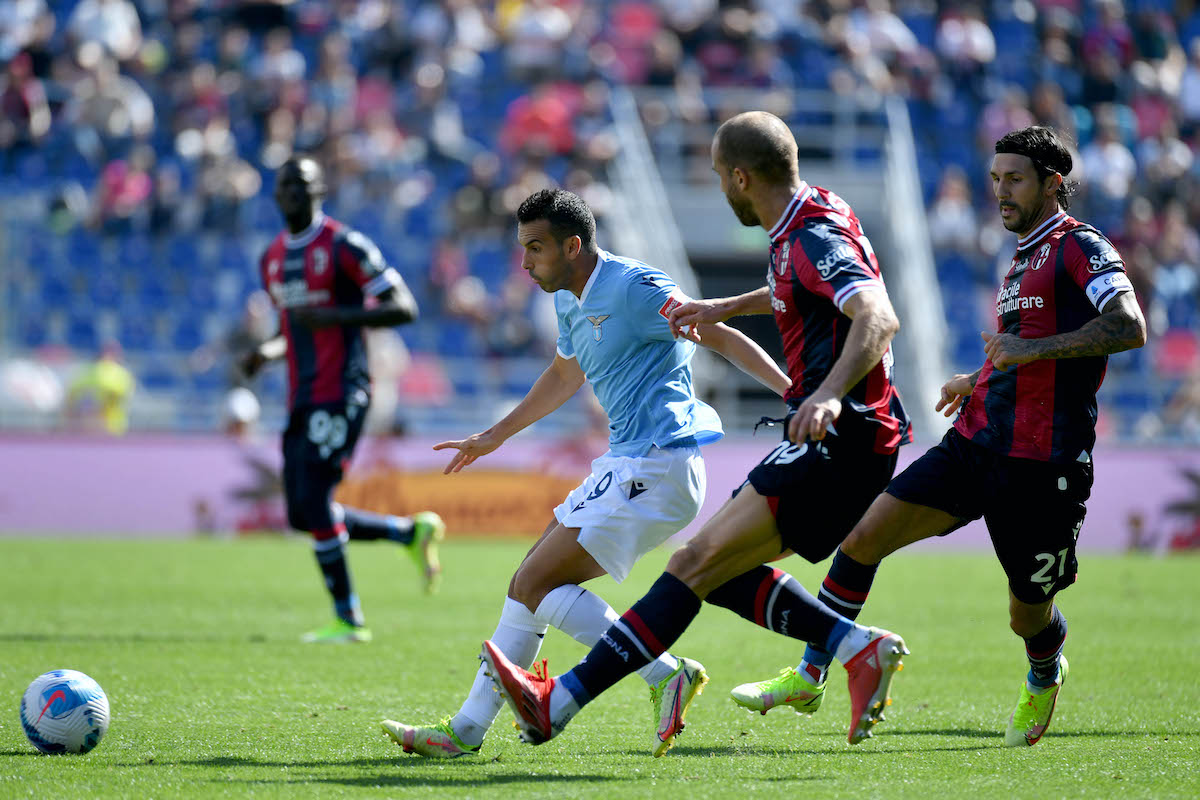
point(317, 445)
point(1033, 509)
point(819, 490)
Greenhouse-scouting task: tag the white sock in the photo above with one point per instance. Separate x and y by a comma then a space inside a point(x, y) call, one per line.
point(519, 636)
point(585, 617)
point(852, 643)
point(813, 672)
point(563, 706)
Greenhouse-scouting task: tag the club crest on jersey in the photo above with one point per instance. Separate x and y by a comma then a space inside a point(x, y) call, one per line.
point(784, 252)
point(1039, 258)
point(320, 259)
point(596, 321)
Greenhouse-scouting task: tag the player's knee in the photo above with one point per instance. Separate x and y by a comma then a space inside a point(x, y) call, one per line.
point(297, 518)
point(862, 546)
point(1027, 621)
point(528, 588)
point(690, 560)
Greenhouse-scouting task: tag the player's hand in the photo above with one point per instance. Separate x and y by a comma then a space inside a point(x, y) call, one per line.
point(691, 314)
point(252, 362)
point(469, 449)
point(1006, 350)
point(954, 393)
point(816, 414)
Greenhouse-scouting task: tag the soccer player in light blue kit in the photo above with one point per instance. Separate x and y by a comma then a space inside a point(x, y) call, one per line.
point(614, 332)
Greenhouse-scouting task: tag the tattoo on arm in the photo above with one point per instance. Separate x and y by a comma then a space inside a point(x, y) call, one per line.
point(1120, 327)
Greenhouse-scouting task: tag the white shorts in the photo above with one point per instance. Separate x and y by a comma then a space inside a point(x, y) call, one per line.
point(629, 506)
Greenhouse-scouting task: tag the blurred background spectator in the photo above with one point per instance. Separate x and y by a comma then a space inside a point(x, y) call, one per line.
point(139, 140)
point(98, 397)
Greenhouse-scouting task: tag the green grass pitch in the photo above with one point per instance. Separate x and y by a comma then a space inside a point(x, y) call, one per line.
point(196, 644)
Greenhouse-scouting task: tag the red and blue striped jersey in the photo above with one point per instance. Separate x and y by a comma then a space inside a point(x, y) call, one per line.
point(1062, 274)
point(820, 258)
point(325, 266)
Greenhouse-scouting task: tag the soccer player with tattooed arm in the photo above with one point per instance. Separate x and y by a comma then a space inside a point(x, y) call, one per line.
point(1020, 452)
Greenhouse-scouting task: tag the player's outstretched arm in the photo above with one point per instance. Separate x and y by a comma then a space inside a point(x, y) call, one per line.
point(1119, 327)
point(393, 307)
point(685, 318)
point(553, 388)
point(873, 324)
point(745, 354)
point(271, 349)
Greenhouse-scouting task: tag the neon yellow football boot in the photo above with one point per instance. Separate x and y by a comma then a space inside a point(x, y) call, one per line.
point(428, 531)
point(789, 688)
point(338, 632)
point(670, 700)
point(1031, 718)
point(435, 741)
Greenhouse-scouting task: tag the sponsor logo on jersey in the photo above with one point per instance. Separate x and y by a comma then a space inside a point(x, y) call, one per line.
point(1010, 300)
point(835, 261)
point(1039, 258)
point(295, 293)
point(1104, 260)
point(1103, 254)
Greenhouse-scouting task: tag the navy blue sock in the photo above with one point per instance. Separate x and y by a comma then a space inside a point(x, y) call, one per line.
point(366, 526)
point(844, 590)
point(641, 635)
point(331, 557)
point(775, 600)
point(1043, 650)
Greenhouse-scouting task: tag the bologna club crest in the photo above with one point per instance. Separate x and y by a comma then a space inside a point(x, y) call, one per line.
point(1040, 257)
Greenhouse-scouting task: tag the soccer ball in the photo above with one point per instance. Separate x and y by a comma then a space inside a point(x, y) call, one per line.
point(64, 711)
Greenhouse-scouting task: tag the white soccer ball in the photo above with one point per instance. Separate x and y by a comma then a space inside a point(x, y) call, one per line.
point(64, 711)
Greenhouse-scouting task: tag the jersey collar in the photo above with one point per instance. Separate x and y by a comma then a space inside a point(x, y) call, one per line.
point(1037, 233)
point(305, 237)
point(798, 199)
point(601, 257)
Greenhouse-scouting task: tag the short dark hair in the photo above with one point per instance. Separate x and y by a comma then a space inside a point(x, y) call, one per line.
point(760, 143)
point(566, 212)
point(1047, 149)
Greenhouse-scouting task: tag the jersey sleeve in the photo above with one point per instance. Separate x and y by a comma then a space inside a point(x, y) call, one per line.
point(650, 298)
point(359, 258)
point(1096, 267)
point(830, 263)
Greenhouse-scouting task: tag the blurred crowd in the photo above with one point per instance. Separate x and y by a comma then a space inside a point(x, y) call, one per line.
point(157, 120)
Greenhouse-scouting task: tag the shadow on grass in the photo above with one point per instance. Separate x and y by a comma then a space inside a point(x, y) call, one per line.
point(238, 761)
point(785, 749)
point(126, 638)
point(30, 752)
point(400, 780)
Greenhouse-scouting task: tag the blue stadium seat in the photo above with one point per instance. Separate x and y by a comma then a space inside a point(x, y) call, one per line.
point(81, 333)
point(189, 333)
point(32, 331)
point(157, 375)
point(137, 331)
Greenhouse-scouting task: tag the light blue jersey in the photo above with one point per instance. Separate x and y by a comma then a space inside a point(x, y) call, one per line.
point(641, 374)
